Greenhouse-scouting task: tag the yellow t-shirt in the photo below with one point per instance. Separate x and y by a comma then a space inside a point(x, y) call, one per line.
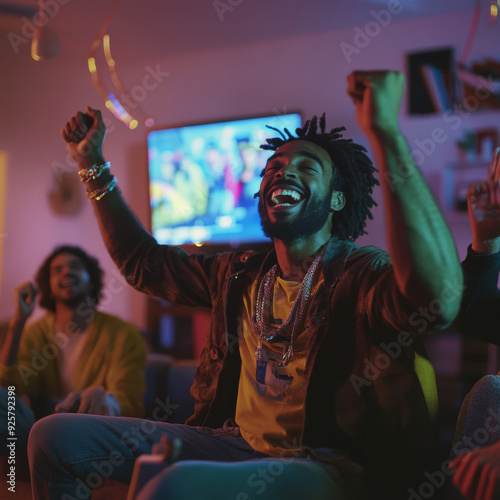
point(270, 405)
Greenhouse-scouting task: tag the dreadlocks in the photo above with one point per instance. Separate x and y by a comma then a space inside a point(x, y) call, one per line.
point(353, 173)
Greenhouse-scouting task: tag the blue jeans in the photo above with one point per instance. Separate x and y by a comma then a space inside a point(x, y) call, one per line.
point(23, 421)
point(71, 454)
point(478, 422)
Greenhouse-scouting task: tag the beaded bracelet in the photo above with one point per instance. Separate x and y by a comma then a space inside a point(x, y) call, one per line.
point(100, 193)
point(92, 173)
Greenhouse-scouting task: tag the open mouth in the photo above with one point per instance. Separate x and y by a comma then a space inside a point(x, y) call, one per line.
point(69, 283)
point(285, 197)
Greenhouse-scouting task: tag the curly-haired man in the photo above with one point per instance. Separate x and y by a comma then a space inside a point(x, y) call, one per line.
point(75, 358)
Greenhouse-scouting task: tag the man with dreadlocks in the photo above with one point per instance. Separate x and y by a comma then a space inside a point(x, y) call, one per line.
point(312, 382)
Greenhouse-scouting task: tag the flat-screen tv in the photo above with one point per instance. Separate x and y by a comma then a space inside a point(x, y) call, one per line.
point(202, 180)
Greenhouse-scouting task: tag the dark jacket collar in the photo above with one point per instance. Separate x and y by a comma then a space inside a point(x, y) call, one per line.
point(336, 254)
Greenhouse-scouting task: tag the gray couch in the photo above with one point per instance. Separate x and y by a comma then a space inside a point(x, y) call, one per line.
point(168, 382)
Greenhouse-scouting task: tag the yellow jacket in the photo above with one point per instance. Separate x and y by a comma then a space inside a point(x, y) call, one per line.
point(114, 356)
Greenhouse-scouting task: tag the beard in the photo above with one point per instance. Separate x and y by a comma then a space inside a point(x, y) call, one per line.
point(312, 217)
point(79, 301)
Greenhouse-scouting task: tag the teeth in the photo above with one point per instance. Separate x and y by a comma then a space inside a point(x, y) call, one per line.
point(285, 192)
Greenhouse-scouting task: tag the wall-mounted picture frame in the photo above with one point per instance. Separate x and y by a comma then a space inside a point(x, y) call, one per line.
point(432, 83)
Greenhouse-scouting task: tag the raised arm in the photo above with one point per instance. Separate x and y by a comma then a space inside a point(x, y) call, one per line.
point(484, 210)
point(481, 300)
point(159, 270)
point(84, 136)
point(24, 296)
point(420, 244)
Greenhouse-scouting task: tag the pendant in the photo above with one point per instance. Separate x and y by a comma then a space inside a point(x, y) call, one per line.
point(258, 352)
point(287, 355)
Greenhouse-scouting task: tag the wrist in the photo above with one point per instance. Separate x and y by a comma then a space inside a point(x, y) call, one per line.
point(92, 173)
point(97, 192)
point(17, 322)
point(95, 175)
point(386, 137)
point(382, 130)
point(486, 246)
point(86, 162)
point(99, 180)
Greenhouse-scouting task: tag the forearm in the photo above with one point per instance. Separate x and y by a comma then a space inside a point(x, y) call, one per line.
point(160, 270)
point(116, 219)
point(120, 229)
point(10, 349)
point(420, 243)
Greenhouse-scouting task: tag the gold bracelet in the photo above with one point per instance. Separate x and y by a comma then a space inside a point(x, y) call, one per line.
point(100, 193)
point(92, 173)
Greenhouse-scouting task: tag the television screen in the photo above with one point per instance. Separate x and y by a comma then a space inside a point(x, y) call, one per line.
point(202, 180)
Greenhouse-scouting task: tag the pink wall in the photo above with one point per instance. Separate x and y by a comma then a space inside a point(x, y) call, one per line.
point(306, 73)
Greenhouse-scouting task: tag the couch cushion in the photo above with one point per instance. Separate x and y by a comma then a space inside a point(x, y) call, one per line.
point(168, 382)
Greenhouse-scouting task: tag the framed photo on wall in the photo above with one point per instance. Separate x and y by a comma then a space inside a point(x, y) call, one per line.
point(432, 83)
